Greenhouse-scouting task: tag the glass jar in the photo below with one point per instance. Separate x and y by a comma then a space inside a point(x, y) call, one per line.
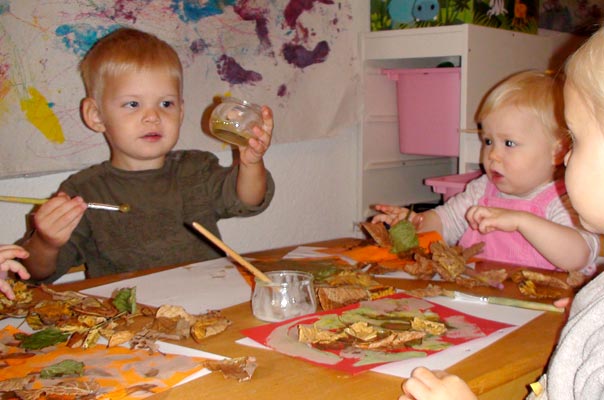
point(290, 294)
point(232, 120)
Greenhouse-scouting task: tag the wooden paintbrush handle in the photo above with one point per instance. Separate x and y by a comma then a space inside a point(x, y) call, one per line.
point(235, 256)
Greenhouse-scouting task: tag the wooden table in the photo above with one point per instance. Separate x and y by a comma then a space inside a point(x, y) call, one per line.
point(501, 371)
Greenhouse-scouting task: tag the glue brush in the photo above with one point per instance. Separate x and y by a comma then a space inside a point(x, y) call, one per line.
point(96, 206)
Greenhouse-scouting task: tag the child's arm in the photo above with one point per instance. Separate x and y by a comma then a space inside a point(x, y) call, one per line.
point(424, 222)
point(561, 245)
point(54, 223)
point(251, 181)
point(7, 264)
point(438, 385)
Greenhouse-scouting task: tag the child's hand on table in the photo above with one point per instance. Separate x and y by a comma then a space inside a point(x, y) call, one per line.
point(438, 385)
point(8, 264)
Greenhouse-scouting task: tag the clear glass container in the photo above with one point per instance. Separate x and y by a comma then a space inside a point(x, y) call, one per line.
point(291, 294)
point(232, 120)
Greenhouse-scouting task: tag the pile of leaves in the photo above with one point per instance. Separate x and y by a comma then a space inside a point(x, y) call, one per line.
point(448, 262)
point(388, 331)
point(81, 321)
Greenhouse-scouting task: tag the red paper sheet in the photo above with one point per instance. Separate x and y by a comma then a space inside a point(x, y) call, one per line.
point(283, 336)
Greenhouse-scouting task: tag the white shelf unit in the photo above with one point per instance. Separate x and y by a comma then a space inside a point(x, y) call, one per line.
point(485, 55)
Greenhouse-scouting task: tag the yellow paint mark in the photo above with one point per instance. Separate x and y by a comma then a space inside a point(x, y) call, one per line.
point(39, 113)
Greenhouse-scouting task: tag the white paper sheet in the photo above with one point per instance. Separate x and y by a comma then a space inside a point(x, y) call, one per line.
point(455, 354)
point(199, 287)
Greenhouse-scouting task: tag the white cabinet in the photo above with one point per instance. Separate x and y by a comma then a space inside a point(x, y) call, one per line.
point(485, 56)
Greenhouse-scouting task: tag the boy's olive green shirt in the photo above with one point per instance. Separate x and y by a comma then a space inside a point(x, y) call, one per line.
point(191, 187)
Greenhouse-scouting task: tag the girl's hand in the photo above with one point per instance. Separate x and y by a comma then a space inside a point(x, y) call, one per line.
point(438, 385)
point(393, 214)
point(7, 264)
point(259, 144)
point(489, 219)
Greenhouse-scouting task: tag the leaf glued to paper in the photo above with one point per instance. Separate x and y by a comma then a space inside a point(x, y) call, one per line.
point(39, 340)
point(63, 368)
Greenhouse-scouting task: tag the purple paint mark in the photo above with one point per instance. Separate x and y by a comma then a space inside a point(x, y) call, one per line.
point(229, 70)
point(295, 8)
point(301, 58)
point(198, 46)
point(121, 9)
point(257, 14)
point(282, 91)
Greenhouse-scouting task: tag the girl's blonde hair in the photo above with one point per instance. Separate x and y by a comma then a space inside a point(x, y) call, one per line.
point(585, 72)
point(126, 50)
point(539, 92)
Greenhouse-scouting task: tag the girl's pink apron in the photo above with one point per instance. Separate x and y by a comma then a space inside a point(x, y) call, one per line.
point(512, 247)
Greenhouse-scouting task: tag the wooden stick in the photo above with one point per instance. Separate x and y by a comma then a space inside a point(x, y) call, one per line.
point(23, 200)
point(257, 273)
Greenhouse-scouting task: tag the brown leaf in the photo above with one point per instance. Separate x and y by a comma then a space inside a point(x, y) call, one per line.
point(241, 368)
point(208, 325)
point(378, 233)
point(10, 385)
point(331, 298)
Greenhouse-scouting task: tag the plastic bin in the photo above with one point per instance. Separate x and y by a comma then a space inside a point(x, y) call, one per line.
point(428, 101)
point(450, 185)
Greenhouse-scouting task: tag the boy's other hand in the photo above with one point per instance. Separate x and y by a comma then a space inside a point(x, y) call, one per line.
point(257, 146)
point(438, 385)
point(56, 219)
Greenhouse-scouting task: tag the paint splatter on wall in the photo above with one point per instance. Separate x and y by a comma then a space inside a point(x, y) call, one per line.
point(297, 56)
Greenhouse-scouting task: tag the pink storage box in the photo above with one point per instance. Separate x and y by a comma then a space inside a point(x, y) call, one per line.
point(450, 185)
point(428, 101)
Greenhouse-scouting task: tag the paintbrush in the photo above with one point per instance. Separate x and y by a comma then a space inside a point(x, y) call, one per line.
point(96, 206)
point(503, 301)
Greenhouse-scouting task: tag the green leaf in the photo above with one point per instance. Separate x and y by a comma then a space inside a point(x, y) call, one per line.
point(125, 300)
point(65, 367)
point(403, 237)
point(44, 338)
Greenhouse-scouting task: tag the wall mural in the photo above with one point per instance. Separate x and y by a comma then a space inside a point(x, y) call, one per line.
point(297, 56)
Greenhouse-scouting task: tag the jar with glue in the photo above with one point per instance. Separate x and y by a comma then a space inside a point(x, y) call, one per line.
point(233, 120)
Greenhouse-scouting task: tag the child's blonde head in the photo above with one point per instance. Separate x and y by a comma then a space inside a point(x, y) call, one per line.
point(126, 50)
point(585, 73)
point(538, 92)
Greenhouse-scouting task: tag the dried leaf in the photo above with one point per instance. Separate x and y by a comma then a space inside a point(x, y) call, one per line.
point(430, 327)
point(395, 340)
point(313, 335)
point(10, 385)
point(208, 325)
point(331, 298)
point(403, 236)
point(39, 340)
point(65, 367)
point(241, 368)
point(119, 338)
point(378, 233)
point(125, 300)
point(362, 331)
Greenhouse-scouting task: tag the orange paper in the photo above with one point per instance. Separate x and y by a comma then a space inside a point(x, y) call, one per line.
point(116, 368)
point(374, 254)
